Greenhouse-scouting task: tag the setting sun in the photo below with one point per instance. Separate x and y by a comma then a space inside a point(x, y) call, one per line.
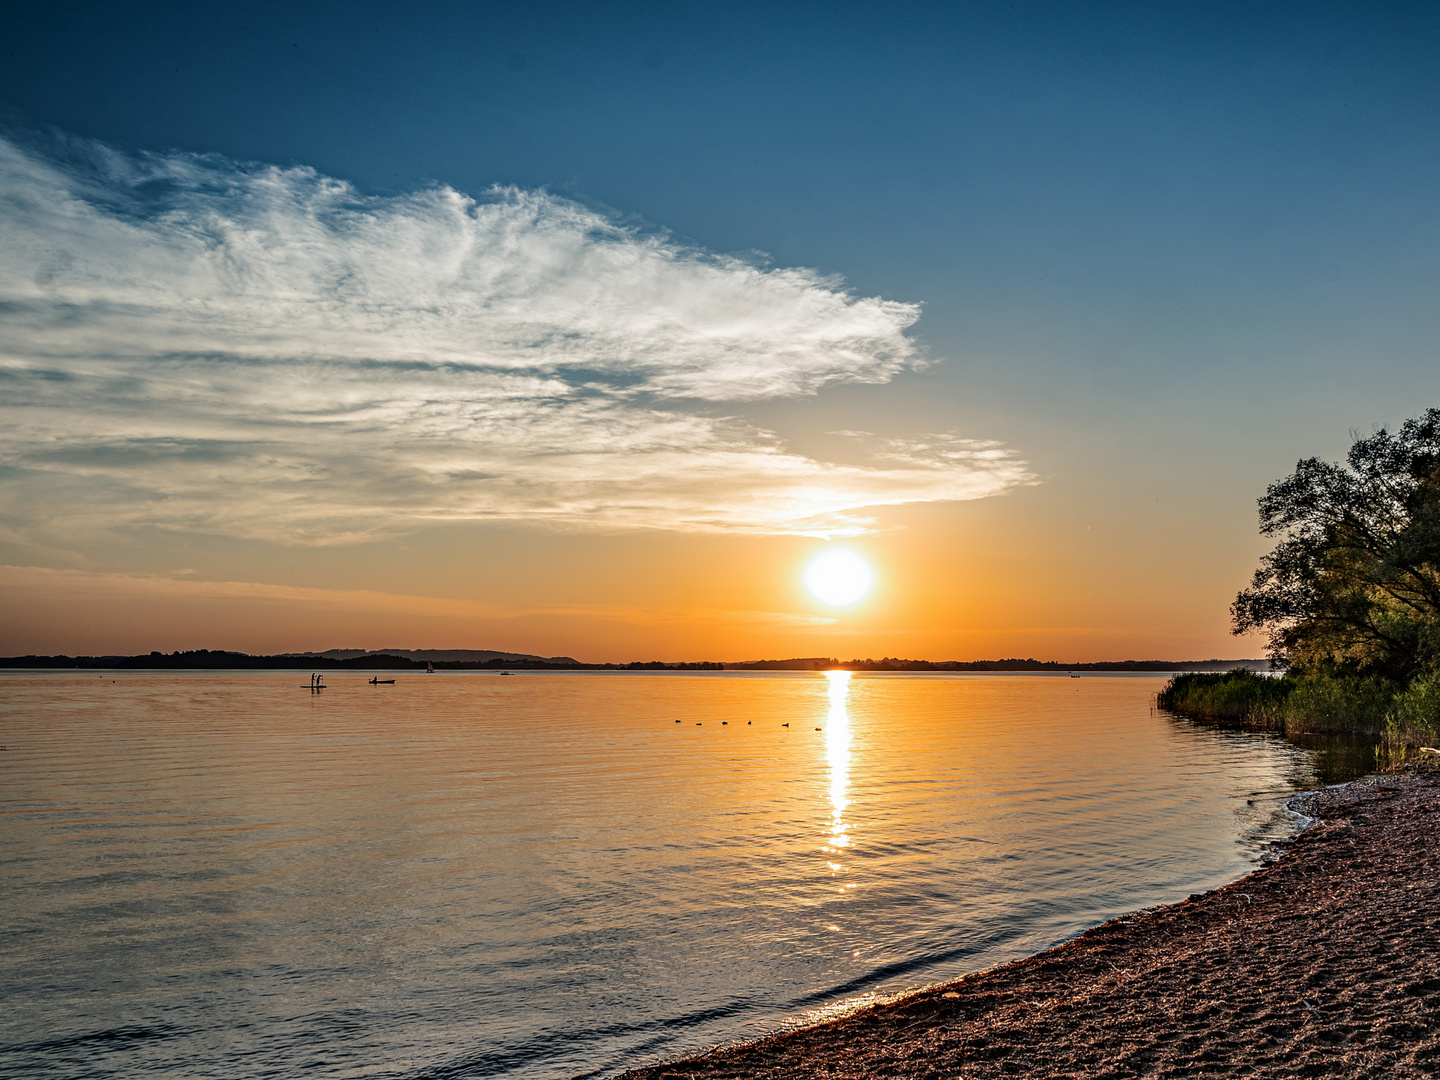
point(838, 577)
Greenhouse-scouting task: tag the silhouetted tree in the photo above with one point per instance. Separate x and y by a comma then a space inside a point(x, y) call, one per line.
point(1354, 583)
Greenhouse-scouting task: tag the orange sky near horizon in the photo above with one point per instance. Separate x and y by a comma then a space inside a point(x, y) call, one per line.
point(1016, 575)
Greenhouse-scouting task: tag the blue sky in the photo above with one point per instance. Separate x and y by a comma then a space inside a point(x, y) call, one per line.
point(1159, 251)
point(1083, 195)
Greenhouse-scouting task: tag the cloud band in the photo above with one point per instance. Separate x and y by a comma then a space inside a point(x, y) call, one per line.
point(195, 344)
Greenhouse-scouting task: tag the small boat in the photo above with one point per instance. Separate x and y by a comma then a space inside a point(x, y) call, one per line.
point(429, 667)
point(507, 673)
point(382, 682)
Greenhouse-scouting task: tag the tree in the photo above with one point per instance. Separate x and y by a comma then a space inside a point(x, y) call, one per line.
point(1354, 582)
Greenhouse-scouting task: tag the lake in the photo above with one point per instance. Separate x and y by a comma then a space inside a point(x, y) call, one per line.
point(219, 874)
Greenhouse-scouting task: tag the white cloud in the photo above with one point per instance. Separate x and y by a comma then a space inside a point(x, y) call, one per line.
point(257, 351)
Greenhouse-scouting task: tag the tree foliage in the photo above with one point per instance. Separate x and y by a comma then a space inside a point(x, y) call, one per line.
point(1354, 582)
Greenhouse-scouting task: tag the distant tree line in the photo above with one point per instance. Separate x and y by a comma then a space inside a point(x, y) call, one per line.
point(219, 659)
point(1031, 664)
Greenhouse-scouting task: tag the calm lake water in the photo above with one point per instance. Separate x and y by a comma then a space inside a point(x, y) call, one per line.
point(223, 875)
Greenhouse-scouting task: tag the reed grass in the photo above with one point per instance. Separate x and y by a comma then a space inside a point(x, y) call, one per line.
point(1403, 719)
point(1239, 696)
point(1414, 717)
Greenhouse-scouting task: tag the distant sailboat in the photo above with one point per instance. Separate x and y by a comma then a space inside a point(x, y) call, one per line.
point(429, 667)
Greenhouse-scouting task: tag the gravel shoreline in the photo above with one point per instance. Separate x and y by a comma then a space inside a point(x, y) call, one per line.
point(1324, 963)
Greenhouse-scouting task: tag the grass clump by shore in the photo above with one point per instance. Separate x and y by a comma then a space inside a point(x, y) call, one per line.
point(1239, 696)
point(1413, 720)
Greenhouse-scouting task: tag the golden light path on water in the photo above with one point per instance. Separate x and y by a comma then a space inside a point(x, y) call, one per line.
point(837, 752)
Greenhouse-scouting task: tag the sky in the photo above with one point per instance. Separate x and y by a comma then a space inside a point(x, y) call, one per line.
point(581, 329)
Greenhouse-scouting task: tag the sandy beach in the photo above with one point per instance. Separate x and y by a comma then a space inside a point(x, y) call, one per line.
point(1324, 963)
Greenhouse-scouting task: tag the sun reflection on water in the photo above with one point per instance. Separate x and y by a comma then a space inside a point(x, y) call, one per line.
point(837, 753)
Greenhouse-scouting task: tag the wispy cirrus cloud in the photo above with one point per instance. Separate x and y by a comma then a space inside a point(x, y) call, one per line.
point(197, 344)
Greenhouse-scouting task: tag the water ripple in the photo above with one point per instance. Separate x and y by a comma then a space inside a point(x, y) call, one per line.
point(222, 875)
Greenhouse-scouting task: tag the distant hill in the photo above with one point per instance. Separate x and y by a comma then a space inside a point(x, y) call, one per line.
point(351, 659)
point(473, 656)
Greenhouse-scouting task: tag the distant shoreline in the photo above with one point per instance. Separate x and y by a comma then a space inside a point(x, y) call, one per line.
point(208, 659)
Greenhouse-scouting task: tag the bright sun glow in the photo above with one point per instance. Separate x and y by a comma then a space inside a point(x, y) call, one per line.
point(838, 577)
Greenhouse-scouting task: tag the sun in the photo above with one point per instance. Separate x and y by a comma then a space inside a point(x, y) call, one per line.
point(838, 578)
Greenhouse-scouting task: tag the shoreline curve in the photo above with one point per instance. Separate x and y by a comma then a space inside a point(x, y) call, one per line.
point(1324, 962)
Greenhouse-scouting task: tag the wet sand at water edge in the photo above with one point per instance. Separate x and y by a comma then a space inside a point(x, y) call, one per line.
point(1324, 963)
